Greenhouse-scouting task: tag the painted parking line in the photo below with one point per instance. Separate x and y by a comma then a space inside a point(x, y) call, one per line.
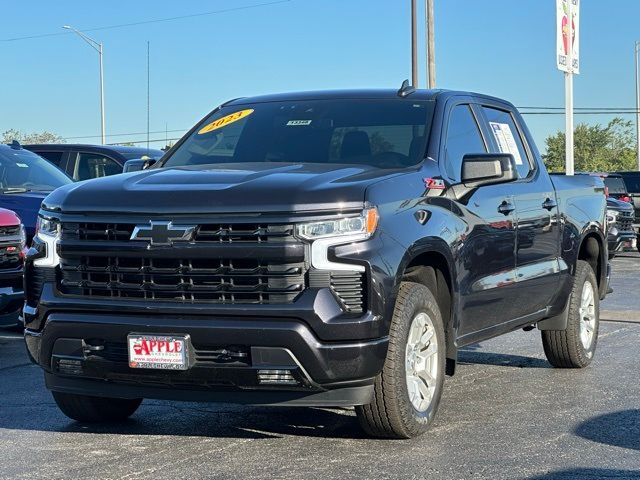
point(11, 337)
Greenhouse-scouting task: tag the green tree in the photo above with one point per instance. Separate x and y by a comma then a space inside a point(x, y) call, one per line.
point(597, 148)
point(26, 138)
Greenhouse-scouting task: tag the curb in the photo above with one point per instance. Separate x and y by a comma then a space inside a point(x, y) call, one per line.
point(624, 316)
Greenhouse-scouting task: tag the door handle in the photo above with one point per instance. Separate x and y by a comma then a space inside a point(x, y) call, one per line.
point(506, 208)
point(549, 204)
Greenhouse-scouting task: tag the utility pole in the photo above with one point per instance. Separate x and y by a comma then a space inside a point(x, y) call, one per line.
point(148, 94)
point(637, 50)
point(414, 44)
point(431, 45)
point(98, 48)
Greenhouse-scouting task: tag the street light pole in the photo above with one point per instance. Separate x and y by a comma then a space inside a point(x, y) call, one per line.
point(431, 46)
point(637, 49)
point(98, 48)
point(414, 44)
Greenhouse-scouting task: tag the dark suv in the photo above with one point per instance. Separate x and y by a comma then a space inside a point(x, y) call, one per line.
point(84, 162)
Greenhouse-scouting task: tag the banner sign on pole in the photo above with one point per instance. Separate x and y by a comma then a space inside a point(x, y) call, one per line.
point(563, 43)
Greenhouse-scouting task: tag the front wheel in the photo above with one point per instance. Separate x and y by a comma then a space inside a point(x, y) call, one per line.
point(84, 408)
point(408, 390)
point(575, 346)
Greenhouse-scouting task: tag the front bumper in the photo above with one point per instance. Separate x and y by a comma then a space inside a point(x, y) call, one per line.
point(332, 354)
point(617, 241)
point(325, 373)
point(11, 295)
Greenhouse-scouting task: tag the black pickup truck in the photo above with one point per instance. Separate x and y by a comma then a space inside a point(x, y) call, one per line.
point(325, 248)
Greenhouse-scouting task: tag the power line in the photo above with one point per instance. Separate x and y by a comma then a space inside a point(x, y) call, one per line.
point(146, 22)
point(126, 134)
point(156, 140)
point(633, 109)
point(595, 112)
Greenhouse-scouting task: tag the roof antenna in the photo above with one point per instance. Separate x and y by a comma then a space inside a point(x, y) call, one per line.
point(15, 144)
point(406, 89)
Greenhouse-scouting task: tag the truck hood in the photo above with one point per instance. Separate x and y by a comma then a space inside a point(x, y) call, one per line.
point(26, 206)
point(226, 188)
point(615, 204)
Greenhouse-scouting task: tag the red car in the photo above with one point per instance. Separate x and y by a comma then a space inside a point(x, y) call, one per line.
point(12, 250)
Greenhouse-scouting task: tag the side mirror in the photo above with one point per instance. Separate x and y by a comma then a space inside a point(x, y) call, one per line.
point(488, 169)
point(137, 164)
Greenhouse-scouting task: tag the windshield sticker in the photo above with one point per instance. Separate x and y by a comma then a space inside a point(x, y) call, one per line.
point(506, 141)
point(22, 165)
point(295, 123)
point(226, 120)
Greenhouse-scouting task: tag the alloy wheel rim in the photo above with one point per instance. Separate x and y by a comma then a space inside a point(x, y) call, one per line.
point(421, 362)
point(587, 312)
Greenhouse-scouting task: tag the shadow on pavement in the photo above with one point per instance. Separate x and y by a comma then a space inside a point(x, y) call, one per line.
point(620, 429)
point(589, 474)
point(204, 420)
point(468, 357)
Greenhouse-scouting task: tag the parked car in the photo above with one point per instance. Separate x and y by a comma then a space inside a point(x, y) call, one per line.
point(12, 251)
point(621, 233)
point(632, 183)
point(84, 162)
point(325, 248)
point(25, 179)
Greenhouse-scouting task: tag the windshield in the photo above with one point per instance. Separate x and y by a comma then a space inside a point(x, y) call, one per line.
point(378, 133)
point(24, 171)
point(615, 185)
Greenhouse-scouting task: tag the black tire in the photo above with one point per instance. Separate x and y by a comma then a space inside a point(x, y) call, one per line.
point(564, 348)
point(84, 408)
point(391, 413)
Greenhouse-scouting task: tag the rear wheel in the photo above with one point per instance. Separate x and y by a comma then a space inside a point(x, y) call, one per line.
point(84, 408)
point(408, 390)
point(575, 346)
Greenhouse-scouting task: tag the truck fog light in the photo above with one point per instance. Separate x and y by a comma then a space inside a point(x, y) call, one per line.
point(276, 377)
point(68, 366)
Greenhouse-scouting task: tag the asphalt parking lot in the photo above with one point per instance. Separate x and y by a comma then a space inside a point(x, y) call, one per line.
point(506, 414)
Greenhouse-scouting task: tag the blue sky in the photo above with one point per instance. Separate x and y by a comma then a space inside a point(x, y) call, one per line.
point(500, 47)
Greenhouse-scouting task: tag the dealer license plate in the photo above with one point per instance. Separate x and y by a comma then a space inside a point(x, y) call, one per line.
point(164, 352)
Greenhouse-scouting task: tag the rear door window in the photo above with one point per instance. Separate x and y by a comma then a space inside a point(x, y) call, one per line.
point(95, 165)
point(632, 182)
point(507, 139)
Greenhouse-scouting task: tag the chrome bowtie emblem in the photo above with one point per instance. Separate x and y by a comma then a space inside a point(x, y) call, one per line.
point(163, 233)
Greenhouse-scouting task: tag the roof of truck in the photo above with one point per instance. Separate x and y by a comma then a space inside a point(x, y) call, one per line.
point(418, 94)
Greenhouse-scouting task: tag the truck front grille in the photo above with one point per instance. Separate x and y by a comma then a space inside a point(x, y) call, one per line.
point(10, 231)
point(10, 256)
point(223, 263)
point(215, 232)
point(207, 280)
point(625, 221)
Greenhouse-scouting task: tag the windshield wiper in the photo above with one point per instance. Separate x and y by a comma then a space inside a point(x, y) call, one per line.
point(15, 190)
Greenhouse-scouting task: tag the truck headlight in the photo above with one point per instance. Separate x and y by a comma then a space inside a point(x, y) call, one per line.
point(329, 233)
point(49, 227)
point(365, 224)
point(612, 216)
point(48, 232)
